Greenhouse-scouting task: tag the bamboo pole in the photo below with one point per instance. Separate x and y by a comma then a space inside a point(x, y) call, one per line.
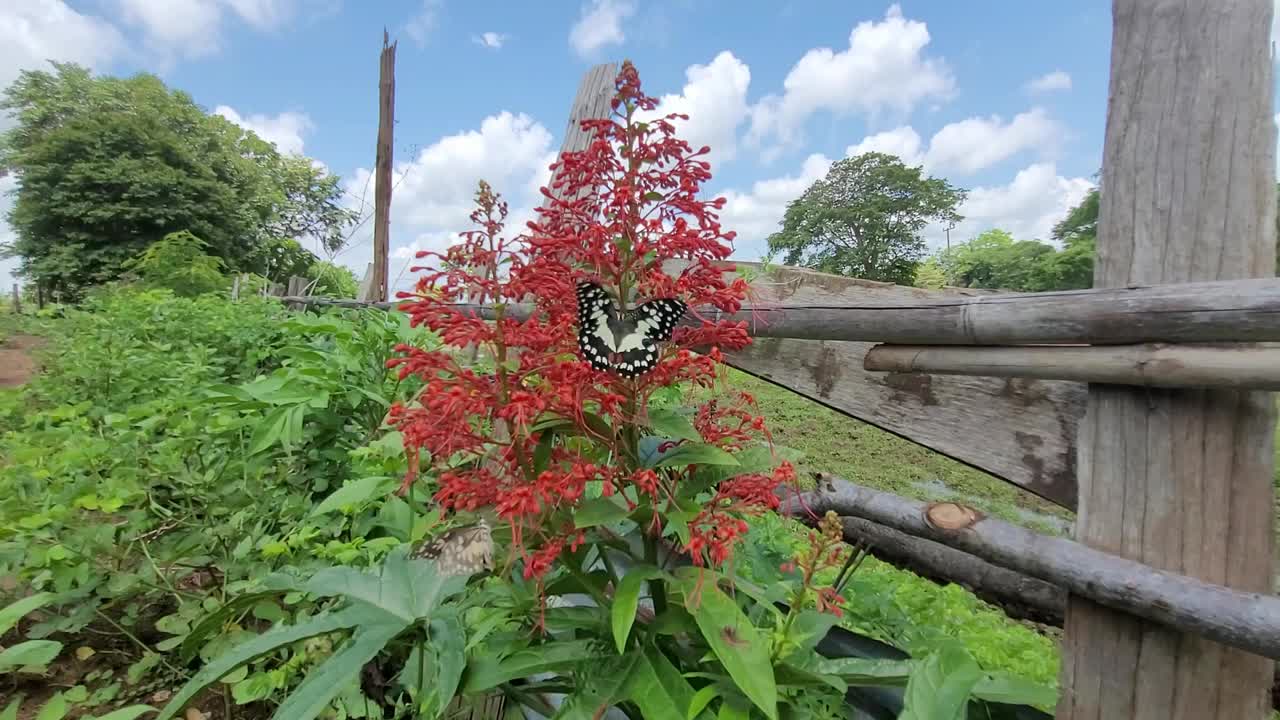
point(1150, 365)
point(1246, 620)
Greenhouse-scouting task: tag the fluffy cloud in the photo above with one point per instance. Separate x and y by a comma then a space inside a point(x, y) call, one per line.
point(969, 145)
point(35, 31)
point(490, 40)
point(754, 215)
point(715, 99)
point(433, 193)
point(1027, 207)
point(884, 68)
point(1056, 80)
point(600, 25)
point(193, 28)
point(976, 143)
point(285, 130)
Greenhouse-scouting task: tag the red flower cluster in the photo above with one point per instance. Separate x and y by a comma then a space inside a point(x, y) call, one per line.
point(624, 213)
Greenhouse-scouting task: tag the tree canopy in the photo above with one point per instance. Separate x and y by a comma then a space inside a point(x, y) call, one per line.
point(864, 219)
point(107, 166)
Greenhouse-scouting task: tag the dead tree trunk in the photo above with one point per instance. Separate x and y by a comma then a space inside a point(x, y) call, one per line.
point(1179, 479)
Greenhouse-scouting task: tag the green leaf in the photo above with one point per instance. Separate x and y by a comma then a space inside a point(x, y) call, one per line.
point(599, 511)
point(269, 431)
point(603, 685)
point(701, 699)
point(809, 627)
point(542, 453)
point(625, 601)
point(735, 641)
point(448, 637)
point(31, 652)
point(14, 612)
point(10, 711)
point(354, 493)
point(126, 713)
point(673, 425)
point(260, 645)
point(214, 621)
point(55, 708)
point(697, 454)
point(1013, 690)
point(657, 687)
point(940, 686)
point(486, 672)
point(409, 589)
point(867, 672)
point(322, 684)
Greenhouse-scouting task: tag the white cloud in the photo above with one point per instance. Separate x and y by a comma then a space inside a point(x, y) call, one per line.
point(1027, 207)
point(285, 130)
point(715, 99)
point(903, 141)
point(491, 40)
point(884, 68)
point(176, 29)
point(35, 31)
point(755, 215)
point(433, 192)
point(421, 25)
point(1056, 80)
point(970, 145)
point(600, 25)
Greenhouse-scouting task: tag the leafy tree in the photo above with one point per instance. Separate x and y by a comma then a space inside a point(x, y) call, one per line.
point(179, 263)
point(106, 166)
point(929, 274)
point(864, 219)
point(333, 280)
point(995, 260)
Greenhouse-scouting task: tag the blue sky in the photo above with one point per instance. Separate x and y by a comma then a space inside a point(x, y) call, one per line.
point(1007, 98)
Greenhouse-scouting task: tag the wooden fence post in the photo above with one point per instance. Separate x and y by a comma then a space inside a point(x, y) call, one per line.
point(17, 299)
point(382, 169)
point(1179, 479)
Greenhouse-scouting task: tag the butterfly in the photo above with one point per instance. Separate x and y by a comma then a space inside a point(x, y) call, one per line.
point(460, 551)
point(623, 342)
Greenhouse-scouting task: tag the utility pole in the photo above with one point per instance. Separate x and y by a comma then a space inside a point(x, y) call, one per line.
point(382, 171)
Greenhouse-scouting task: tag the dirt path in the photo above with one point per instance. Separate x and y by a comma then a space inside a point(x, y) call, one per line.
point(16, 364)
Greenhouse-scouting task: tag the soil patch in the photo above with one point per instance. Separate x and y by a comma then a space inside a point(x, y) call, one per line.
point(17, 366)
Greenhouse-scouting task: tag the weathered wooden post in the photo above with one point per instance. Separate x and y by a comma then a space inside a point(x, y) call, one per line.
point(17, 299)
point(382, 169)
point(1179, 479)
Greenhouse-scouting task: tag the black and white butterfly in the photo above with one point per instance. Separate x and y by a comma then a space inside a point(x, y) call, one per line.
point(624, 342)
point(460, 551)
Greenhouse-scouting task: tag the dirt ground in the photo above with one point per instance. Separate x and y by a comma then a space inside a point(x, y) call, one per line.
point(16, 364)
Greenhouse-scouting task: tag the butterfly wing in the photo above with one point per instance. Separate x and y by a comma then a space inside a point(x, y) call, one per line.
point(647, 325)
point(460, 551)
point(595, 334)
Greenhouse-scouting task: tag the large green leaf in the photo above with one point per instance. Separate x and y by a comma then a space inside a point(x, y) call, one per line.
point(657, 687)
point(697, 454)
point(15, 611)
point(31, 652)
point(55, 708)
point(260, 645)
point(625, 601)
point(356, 492)
point(125, 713)
point(603, 685)
point(408, 588)
point(322, 684)
point(673, 425)
point(867, 672)
point(448, 639)
point(1003, 688)
point(10, 711)
point(486, 672)
point(741, 648)
point(599, 511)
point(940, 686)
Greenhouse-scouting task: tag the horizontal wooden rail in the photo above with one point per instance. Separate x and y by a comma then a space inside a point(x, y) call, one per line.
point(1246, 620)
point(1152, 365)
point(1227, 311)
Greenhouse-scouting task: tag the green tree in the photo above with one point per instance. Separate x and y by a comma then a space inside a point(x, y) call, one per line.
point(995, 260)
point(106, 166)
point(178, 262)
point(864, 219)
point(929, 274)
point(332, 280)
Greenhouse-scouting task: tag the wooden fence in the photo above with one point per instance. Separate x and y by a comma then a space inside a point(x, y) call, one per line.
point(1144, 404)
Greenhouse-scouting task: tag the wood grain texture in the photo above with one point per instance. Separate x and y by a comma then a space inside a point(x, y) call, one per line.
point(1242, 619)
point(1179, 479)
point(1249, 367)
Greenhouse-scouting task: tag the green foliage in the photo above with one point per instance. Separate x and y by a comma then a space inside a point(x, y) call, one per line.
point(864, 219)
point(929, 274)
point(333, 280)
point(106, 166)
point(178, 263)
